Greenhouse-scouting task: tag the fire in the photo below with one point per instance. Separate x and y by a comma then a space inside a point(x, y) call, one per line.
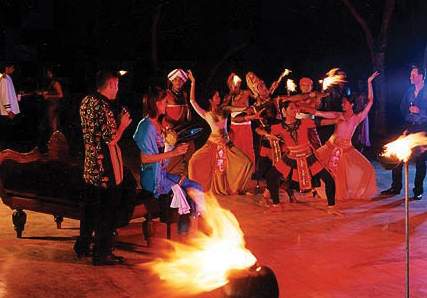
point(402, 147)
point(204, 263)
point(332, 78)
point(122, 72)
point(284, 74)
point(290, 85)
point(236, 80)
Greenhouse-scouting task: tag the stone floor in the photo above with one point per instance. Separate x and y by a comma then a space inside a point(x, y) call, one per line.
point(312, 253)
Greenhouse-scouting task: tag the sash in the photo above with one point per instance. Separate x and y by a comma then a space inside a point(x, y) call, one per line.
point(116, 162)
point(300, 154)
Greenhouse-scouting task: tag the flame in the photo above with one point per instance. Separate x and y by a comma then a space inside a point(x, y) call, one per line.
point(236, 80)
point(204, 262)
point(291, 86)
point(402, 147)
point(123, 72)
point(284, 74)
point(332, 79)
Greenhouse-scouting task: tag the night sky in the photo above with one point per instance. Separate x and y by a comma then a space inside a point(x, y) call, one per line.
point(210, 37)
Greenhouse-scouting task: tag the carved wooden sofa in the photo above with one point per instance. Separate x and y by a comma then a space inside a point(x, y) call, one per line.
point(51, 184)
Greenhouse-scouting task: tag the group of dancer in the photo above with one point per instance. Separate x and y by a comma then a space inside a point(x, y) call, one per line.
point(287, 151)
point(290, 152)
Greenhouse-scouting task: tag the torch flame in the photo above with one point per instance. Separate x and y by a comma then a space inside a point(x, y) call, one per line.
point(290, 85)
point(332, 79)
point(402, 147)
point(203, 264)
point(236, 80)
point(284, 74)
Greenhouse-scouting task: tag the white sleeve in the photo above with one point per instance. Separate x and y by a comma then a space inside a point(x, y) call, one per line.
point(4, 98)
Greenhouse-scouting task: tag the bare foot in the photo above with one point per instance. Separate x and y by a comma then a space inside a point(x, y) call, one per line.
point(332, 210)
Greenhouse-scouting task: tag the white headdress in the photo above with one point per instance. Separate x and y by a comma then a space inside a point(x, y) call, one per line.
point(178, 73)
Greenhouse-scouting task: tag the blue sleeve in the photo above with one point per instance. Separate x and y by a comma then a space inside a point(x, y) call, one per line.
point(145, 137)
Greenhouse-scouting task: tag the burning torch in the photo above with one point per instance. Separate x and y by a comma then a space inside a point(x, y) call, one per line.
point(396, 152)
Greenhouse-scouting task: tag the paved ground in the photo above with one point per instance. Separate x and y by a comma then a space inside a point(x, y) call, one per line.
point(313, 254)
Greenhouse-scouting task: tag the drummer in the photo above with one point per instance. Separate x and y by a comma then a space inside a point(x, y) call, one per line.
point(177, 116)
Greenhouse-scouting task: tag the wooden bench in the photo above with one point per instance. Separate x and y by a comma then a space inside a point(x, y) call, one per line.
point(52, 185)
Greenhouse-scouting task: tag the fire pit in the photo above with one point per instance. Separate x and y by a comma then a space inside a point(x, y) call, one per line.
point(255, 282)
point(217, 260)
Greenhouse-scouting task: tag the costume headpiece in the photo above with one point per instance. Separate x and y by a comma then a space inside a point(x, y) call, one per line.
point(253, 83)
point(232, 80)
point(178, 73)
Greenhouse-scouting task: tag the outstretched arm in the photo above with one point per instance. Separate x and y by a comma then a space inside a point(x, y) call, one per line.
point(362, 115)
point(59, 94)
point(323, 114)
point(199, 110)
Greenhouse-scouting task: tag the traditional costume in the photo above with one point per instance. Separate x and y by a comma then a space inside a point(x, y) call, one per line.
point(354, 175)
point(219, 166)
point(178, 115)
point(240, 132)
point(298, 164)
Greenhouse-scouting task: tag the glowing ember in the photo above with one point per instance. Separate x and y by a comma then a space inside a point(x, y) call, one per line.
point(122, 72)
point(203, 264)
point(291, 86)
point(332, 78)
point(402, 147)
point(236, 80)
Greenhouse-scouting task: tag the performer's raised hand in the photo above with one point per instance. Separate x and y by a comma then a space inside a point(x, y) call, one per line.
point(191, 77)
point(373, 76)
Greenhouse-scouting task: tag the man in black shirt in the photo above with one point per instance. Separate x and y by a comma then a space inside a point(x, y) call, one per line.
point(414, 109)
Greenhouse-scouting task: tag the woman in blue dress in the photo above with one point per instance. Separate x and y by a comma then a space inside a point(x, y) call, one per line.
point(155, 153)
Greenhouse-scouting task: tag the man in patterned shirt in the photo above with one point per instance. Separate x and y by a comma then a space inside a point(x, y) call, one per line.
point(103, 170)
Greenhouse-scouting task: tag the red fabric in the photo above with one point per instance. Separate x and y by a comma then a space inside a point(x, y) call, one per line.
point(241, 136)
point(303, 134)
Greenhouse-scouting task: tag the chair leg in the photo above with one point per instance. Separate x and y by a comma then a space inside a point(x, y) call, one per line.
point(168, 230)
point(58, 219)
point(147, 228)
point(19, 218)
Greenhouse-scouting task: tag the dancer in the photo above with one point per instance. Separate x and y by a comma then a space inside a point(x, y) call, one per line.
point(150, 139)
point(298, 165)
point(240, 132)
point(178, 115)
point(218, 166)
point(414, 108)
point(269, 155)
point(354, 175)
point(265, 105)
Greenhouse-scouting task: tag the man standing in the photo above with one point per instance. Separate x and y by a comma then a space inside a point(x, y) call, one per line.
point(414, 110)
point(103, 170)
point(9, 107)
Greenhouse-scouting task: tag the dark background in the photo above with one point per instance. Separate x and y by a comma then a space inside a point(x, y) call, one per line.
point(212, 38)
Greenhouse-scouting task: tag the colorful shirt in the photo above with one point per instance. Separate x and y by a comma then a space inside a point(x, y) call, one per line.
point(99, 128)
